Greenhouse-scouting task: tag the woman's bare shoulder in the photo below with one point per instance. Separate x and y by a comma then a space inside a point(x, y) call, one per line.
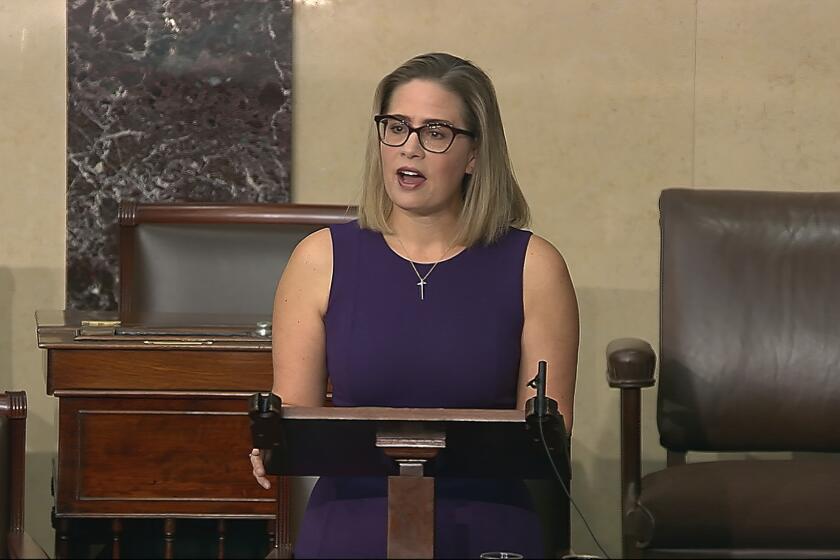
point(543, 257)
point(315, 249)
point(320, 241)
point(311, 262)
point(308, 274)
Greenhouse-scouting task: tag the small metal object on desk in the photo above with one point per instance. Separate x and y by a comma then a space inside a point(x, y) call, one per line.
point(88, 331)
point(263, 328)
point(99, 324)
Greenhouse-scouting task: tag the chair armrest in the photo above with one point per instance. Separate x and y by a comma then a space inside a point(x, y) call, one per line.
point(630, 366)
point(630, 363)
point(21, 545)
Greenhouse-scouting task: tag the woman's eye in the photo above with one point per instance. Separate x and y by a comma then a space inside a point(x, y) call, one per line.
point(397, 128)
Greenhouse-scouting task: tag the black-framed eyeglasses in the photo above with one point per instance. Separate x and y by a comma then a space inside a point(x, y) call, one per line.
point(435, 137)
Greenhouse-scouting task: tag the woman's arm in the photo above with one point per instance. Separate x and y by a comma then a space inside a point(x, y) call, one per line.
point(551, 328)
point(298, 338)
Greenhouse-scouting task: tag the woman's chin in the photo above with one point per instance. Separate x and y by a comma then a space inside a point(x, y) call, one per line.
point(417, 201)
point(407, 197)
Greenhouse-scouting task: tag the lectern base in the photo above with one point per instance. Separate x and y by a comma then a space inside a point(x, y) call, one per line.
point(411, 516)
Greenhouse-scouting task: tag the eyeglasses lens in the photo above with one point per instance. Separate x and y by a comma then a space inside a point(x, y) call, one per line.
point(433, 137)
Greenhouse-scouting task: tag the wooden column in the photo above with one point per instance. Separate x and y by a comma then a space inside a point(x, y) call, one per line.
point(411, 512)
point(169, 538)
point(62, 538)
point(221, 528)
point(116, 534)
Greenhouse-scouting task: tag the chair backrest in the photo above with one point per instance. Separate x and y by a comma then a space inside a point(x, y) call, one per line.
point(750, 321)
point(211, 258)
point(12, 464)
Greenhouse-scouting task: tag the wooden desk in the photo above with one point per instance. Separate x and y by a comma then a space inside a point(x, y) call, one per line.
point(155, 425)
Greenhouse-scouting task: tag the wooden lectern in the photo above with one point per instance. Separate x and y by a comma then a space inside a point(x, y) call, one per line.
point(412, 447)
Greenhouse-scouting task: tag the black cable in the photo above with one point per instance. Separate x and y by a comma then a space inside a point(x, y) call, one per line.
point(566, 490)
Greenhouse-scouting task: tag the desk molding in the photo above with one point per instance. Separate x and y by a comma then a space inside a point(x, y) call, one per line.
point(163, 370)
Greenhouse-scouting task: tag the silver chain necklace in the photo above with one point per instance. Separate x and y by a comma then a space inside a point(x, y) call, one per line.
point(422, 279)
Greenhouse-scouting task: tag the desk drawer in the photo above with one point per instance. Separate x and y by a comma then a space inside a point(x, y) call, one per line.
point(164, 456)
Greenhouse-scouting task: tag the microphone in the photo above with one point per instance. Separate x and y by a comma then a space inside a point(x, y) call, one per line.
point(264, 409)
point(541, 413)
point(543, 416)
point(540, 406)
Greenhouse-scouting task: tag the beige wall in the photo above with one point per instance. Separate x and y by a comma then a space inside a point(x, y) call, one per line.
point(32, 209)
point(605, 103)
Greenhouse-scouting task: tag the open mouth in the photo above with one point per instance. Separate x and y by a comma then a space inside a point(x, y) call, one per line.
point(410, 178)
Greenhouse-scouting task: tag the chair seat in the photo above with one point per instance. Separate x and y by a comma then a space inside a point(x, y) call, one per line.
point(791, 504)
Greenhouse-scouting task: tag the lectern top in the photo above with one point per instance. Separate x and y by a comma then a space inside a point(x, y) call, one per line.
point(403, 414)
point(365, 441)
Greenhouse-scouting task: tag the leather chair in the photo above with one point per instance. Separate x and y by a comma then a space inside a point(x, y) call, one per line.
point(14, 542)
point(211, 258)
point(750, 362)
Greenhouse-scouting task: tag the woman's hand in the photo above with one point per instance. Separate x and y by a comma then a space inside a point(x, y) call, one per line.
point(259, 468)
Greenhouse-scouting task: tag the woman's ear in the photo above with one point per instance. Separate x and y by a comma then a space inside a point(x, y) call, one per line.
point(471, 164)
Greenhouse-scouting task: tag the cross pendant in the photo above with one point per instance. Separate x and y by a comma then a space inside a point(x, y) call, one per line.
point(421, 283)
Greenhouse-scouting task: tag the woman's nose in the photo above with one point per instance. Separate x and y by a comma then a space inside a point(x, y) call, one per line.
point(412, 147)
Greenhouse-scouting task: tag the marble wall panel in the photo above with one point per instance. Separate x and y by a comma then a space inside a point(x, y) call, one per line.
point(169, 100)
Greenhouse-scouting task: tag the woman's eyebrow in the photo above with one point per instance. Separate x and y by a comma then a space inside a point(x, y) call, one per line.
point(425, 121)
point(438, 121)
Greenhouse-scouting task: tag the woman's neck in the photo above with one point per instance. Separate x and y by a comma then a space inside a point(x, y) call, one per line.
point(425, 238)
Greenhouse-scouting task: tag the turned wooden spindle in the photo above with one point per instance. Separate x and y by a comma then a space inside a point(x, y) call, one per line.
point(116, 536)
point(169, 538)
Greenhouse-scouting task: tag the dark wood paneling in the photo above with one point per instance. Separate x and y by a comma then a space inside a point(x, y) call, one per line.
point(157, 457)
point(174, 370)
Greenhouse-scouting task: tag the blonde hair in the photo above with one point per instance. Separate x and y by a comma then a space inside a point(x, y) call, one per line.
point(493, 201)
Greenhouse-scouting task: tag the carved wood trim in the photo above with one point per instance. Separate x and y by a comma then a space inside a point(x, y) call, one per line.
point(212, 213)
point(13, 406)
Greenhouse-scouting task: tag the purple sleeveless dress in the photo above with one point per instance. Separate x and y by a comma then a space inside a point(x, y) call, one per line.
point(458, 348)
